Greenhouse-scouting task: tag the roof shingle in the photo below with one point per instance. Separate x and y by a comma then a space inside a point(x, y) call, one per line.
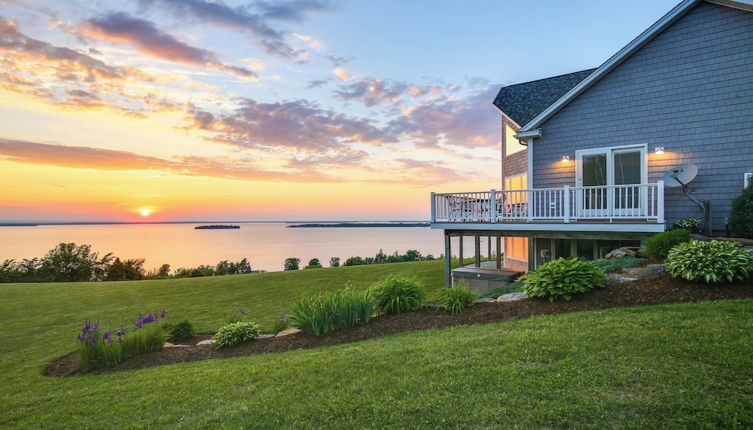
point(523, 102)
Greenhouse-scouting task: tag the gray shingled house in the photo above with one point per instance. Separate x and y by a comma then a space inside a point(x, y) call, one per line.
point(583, 154)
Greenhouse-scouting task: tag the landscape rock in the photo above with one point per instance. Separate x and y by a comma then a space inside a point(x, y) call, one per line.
point(266, 336)
point(512, 297)
point(485, 300)
point(168, 345)
point(620, 278)
point(652, 271)
point(748, 248)
point(626, 251)
point(206, 342)
point(288, 331)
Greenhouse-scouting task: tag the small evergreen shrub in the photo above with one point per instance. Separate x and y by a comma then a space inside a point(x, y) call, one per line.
point(562, 278)
point(741, 216)
point(234, 333)
point(715, 261)
point(179, 332)
point(456, 299)
point(659, 245)
point(692, 225)
point(330, 311)
point(397, 293)
point(618, 263)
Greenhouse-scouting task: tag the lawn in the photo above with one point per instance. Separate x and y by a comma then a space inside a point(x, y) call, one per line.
point(683, 365)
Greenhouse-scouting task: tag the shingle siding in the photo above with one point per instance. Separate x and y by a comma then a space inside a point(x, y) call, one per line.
point(689, 90)
point(516, 164)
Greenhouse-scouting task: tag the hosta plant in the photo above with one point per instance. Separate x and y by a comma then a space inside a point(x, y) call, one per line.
point(397, 293)
point(563, 278)
point(456, 299)
point(234, 333)
point(713, 262)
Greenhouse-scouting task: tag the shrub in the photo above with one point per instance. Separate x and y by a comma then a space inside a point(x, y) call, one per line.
point(618, 263)
point(234, 333)
point(314, 264)
point(397, 293)
point(334, 262)
point(456, 299)
point(100, 347)
point(562, 278)
point(331, 311)
point(692, 225)
point(658, 246)
point(741, 216)
point(280, 324)
point(499, 291)
point(713, 262)
point(179, 332)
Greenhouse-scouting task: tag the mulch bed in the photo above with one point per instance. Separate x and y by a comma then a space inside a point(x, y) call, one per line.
point(659, 291)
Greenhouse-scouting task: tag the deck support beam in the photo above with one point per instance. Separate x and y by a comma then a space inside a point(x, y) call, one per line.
point(499, 253)
point(447, 260)
point(460, 251)
point(477, 246)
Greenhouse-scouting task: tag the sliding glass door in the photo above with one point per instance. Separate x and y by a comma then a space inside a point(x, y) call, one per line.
point(608, 181)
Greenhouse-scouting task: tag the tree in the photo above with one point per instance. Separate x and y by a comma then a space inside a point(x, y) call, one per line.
point(741, 216)
point(163, 271)
point(334, 262)
point(412, 255)
point(292, 263)
point(127, 270)
point(381, 257)
point(70, 262)
point(313, 264)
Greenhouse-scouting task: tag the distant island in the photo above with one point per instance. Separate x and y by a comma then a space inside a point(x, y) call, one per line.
point(363, 224)
point(215, 227)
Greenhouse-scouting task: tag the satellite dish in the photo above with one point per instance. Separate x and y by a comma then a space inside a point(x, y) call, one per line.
point(680, 176)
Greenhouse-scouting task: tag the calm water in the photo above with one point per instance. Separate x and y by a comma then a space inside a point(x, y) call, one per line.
point(265, 245)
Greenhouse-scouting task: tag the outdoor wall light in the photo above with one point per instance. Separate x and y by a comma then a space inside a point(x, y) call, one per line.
point(659, 150)
point(565, 159)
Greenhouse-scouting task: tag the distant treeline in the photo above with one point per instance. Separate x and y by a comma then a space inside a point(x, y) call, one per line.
point(379, 258)
point(69, 262)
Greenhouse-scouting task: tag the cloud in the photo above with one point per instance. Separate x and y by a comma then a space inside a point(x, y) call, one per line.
point(241, 18)
point(120, 27)
point(298, 125)
point(316, 83)
point(341, 74)
point(371, 91)
point(470, 121)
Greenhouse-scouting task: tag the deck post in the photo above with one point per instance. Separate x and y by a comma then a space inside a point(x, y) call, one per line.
point(499, 253)
point(447, 260)
point(660, 202)
point(433, 207)
point(477, 246)
point(566, 200)
point(489, 247)
point(460, 251)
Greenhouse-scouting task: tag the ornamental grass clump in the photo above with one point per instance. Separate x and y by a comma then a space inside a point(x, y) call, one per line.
point(713, 262)
point(456, 299)
point(98, 347)
point(562, 278)
point(234, 333)
point(334, 310)
point(397, 293)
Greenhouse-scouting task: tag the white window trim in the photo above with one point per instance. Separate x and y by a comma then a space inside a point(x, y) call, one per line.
point(610, 160)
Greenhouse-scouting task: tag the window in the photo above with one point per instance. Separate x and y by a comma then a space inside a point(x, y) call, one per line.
point(516, 248)
point(512, 145)
point(516, 183)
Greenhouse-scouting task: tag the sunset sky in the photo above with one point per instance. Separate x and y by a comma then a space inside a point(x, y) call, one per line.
point(167, 110)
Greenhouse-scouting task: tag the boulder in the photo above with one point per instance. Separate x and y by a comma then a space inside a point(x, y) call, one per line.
point(206, 342)
point(485, 300)
point(288, 331)
point(512, 297)
point(652, 271)
point(266, 336)
point(620, 278)
point(622, 252)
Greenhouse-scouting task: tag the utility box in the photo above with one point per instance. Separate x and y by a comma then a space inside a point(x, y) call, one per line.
point(483, 280)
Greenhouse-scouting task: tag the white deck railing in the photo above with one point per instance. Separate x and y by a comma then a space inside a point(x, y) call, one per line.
point(635, 202)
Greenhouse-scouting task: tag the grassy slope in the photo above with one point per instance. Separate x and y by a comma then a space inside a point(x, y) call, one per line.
point(680, 365)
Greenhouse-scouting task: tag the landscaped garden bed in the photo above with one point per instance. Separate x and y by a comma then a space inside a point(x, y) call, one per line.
point(660, 291)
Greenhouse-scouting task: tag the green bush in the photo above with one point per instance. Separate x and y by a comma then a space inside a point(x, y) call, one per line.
point(658, 246)
point(562, 278)
point(741, 216)
point(515, 287)
point(333, 310)
point(456, 299)
point(179, 332)
point(234, 333)
point(715, 261)
point(618, 263)
point(397, 293)
point(692, 225)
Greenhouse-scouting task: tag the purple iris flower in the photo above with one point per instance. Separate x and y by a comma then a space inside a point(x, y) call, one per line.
point(163, 313)
point(86, 327)
point(234, 316)
point(139, 324)
point(106, 336)
point(95, 327)
point(243, 312)
point(282, 317)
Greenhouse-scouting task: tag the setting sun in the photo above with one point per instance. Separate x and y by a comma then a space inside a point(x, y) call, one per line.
point(144, 211)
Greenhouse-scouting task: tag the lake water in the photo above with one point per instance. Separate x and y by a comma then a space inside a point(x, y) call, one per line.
point(266, 245)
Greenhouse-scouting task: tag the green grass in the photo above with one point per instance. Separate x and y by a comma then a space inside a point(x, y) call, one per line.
point(663, 366)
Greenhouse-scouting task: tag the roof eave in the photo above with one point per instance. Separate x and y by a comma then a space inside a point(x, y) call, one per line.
point(668, 19)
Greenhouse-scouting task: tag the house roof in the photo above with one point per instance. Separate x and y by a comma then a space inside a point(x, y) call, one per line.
point(523, 102)
point(530, 127)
